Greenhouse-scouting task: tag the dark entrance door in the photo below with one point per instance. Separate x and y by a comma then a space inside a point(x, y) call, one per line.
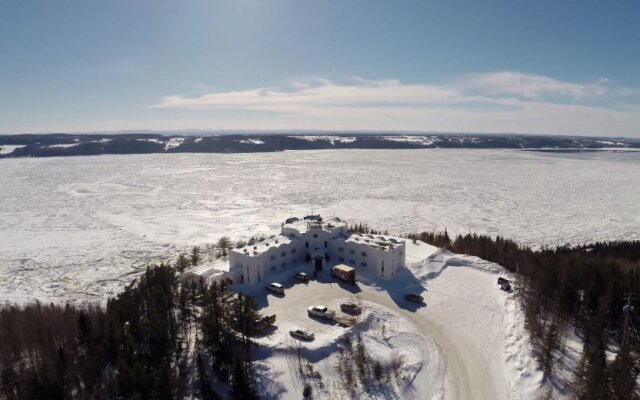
point(318, 262)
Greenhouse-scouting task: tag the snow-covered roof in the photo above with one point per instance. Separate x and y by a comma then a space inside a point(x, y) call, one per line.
point(256, 248)
point(383, 242)
point(217, 267)
point(303, 225)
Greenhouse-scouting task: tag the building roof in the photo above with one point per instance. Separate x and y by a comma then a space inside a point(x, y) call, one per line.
point(382, 242)
point(210, 269)
point(254, 249)
point(314, 222)
point(343, 267)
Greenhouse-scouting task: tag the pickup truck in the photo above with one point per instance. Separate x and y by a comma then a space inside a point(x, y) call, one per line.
point(322, 312)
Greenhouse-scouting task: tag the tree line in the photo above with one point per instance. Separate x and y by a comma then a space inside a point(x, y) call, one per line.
point(150, 342)
point(583, 288)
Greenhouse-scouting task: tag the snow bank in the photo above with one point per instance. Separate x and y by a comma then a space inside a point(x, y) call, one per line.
point(9, 148)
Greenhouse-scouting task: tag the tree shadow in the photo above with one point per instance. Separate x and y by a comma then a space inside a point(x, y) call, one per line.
point(266, 381)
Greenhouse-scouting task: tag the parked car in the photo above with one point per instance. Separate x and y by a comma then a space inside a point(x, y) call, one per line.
point(505, 284)
point(302, 334)
point(275, 287)
point(414, 297)
point(350, 307)
point(302, 277)
point(322, 312)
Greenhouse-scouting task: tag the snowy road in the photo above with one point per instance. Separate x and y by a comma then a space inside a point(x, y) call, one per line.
point(463, 324)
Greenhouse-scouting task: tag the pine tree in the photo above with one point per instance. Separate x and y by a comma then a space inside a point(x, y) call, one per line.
point(623, 374)
point(224, 243)
point(195, 255)
point(241, 386)
point(378, 371)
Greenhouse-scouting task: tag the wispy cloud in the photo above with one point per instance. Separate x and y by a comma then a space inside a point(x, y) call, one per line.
point(489, 102)
point(305, 94)
point(533, 86)
point(123, 66)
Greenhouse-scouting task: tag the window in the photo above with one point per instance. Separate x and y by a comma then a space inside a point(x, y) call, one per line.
point(273, 257)
point(273, 267)
point(364, 254)
point(325, 243)
point(307, 245)
point(363, 264)
point(352, 262)
point(341, 259)
point(352, 251)
point(293, 251)
point(341, 249)
point(283, 254)
point(315, 235)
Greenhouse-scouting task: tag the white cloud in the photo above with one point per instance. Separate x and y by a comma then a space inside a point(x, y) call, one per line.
point(316, 93)
point(491, 102)
point(533, 86)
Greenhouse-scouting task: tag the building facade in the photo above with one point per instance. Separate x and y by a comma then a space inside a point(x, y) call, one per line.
point(318, 242)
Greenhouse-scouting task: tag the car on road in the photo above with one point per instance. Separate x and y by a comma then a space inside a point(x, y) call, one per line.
point(350, 308)
point(321, 312)
point(302, 277)
point(302, 334)
point(414, 297)
point(275, 287)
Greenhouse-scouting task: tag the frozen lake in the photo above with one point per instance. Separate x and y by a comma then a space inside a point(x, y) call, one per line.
point(79, 227)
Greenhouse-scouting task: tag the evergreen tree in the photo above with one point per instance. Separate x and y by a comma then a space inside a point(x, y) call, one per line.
point(195, 255)
point(623, 374)
point(224, 243)
point(241, 386)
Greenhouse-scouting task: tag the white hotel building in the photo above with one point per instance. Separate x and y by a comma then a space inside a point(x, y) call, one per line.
point(316, 242)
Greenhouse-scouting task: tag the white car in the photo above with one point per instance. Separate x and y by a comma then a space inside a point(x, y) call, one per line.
point(321, 311)
point(302, 334)
point(275, 287)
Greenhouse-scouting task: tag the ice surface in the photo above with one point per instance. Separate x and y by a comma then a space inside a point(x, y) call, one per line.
point(80, 227)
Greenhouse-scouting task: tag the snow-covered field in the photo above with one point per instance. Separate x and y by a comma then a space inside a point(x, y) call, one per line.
point(79, 227)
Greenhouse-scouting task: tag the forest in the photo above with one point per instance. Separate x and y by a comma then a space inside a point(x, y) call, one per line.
point(143, 345)
point(163, 340)
point(586, 290)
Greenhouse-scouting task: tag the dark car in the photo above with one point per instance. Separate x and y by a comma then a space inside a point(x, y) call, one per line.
point(350, 308)
point(302, 277)
point(414, 297)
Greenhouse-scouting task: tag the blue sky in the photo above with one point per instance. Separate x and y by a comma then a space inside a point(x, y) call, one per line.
point(556, 67)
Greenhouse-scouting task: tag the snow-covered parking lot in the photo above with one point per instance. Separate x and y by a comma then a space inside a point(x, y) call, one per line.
point(466, 342)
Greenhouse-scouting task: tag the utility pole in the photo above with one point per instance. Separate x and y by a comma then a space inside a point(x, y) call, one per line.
point(627, 309)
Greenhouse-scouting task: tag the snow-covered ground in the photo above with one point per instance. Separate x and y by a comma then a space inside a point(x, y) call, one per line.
point(466, 342)
point(9, 148)
point(80, 227)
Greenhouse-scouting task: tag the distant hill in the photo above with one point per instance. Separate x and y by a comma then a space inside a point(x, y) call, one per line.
point(54, 144)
